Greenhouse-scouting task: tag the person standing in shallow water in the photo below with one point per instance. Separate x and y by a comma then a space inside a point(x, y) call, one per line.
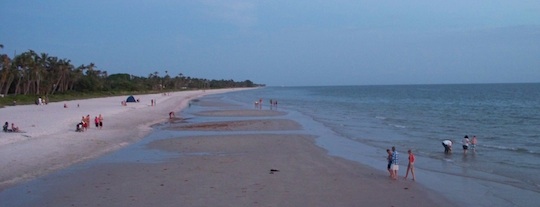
point(474, 141)
point(466, 143)
point(447, 144)
point(410, 167)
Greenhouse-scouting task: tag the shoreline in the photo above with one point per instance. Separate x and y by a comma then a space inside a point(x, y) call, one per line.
point(50, 143)
point(248, 165)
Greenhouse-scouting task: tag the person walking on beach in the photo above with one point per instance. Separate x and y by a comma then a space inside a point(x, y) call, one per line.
point(395, 166)
point(389, 162)
point(466, 143)
point(410, 167)
point(447, 144)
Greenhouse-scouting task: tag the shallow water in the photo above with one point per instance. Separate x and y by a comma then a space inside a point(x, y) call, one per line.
point(360, 122)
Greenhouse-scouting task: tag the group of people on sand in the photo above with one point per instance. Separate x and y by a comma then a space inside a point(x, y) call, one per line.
point(42, 101)
point(85, 123)
point(393, 166)
point(466, 144)
point(13, 128)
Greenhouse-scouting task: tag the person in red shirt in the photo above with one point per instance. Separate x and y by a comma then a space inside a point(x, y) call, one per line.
point(96, 121)
point(410, 167)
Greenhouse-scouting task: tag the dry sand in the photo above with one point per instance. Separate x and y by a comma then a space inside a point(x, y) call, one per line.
point(49, 141)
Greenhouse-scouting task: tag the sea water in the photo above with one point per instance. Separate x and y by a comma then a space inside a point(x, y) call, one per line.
point(360, 122)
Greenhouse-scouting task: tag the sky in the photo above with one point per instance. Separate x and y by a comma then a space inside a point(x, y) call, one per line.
point(287, 42)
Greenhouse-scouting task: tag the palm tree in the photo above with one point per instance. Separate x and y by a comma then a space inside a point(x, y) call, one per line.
point(65, 70)
point(40, 71)
point(57, 74)
point(6, 75)
point(24, 63)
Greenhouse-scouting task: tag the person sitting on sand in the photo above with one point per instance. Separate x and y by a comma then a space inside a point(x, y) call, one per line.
point(6, 125)
point(79, 127)
point(14, 128)
point(171, 115)
point(447, 146)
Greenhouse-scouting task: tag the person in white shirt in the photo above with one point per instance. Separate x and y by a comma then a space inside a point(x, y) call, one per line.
point(466, 143)
point(447, 146)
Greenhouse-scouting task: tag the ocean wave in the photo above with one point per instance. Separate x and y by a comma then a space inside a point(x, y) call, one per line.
point(513, 149)
point(380, 117)
point(398, 126)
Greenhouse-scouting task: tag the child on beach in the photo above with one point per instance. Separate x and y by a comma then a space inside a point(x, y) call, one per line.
point(410, 167)
point(14, 128)
point(473, 143)
point(79, 127)
point(389, 161)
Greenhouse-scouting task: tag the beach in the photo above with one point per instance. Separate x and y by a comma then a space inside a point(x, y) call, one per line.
point(246, 158)
point(49, 141)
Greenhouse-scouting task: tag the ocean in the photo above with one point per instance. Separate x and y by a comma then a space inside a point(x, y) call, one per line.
point(360, 122)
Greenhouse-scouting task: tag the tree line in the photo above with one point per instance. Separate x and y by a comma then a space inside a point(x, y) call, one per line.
point(30, 73)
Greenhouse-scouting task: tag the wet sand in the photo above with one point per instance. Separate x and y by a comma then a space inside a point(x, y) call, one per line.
point(259, 168)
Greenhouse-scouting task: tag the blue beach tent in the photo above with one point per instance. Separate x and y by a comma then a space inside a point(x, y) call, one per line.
point(131, 99)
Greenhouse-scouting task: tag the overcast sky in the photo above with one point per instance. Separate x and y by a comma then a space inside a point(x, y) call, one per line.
point(287, 42)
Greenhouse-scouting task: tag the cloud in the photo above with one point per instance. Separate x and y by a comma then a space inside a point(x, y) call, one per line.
point(237, 12)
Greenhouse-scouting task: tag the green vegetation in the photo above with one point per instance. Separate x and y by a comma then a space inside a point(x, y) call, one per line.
point(29, 75)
